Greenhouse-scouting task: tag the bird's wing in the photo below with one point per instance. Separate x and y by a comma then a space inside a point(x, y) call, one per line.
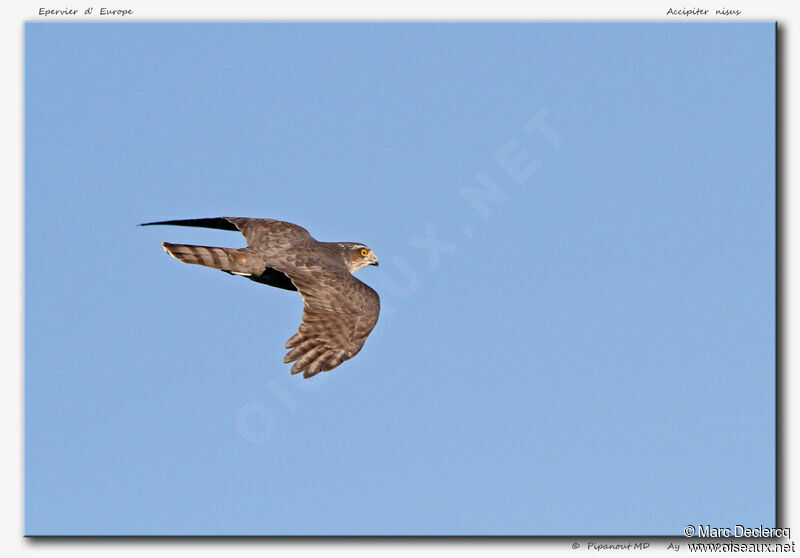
point(338, 315)
point(270, 235)
point(267, 235)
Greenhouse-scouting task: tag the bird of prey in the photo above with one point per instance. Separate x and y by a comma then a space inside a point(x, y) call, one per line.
point(339, 311)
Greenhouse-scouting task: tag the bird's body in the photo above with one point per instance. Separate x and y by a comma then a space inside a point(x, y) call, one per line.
point(339, 311)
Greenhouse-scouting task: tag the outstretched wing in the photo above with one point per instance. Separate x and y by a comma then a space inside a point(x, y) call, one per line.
point(339, 313)
point(267, 235)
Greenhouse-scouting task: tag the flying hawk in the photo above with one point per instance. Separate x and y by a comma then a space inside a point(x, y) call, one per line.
point(339, 311)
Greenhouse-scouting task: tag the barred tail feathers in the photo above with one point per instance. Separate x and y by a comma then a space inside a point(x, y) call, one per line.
point(232, 260)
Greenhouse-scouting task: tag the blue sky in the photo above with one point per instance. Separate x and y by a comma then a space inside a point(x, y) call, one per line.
point(576, 231)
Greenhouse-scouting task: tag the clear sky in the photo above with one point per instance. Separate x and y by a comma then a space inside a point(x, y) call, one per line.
point(576, 231)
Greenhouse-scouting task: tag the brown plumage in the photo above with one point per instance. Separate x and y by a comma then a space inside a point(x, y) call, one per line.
point(339, 311)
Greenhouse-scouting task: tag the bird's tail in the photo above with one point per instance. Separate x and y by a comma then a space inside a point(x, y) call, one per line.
point(232, 260)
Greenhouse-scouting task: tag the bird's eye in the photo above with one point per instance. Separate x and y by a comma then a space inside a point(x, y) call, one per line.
point(364, 252)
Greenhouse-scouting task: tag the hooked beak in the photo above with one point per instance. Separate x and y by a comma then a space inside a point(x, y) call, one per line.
point(374, 260)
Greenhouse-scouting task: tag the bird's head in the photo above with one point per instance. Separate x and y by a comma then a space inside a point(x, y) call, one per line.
point(361, 256)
